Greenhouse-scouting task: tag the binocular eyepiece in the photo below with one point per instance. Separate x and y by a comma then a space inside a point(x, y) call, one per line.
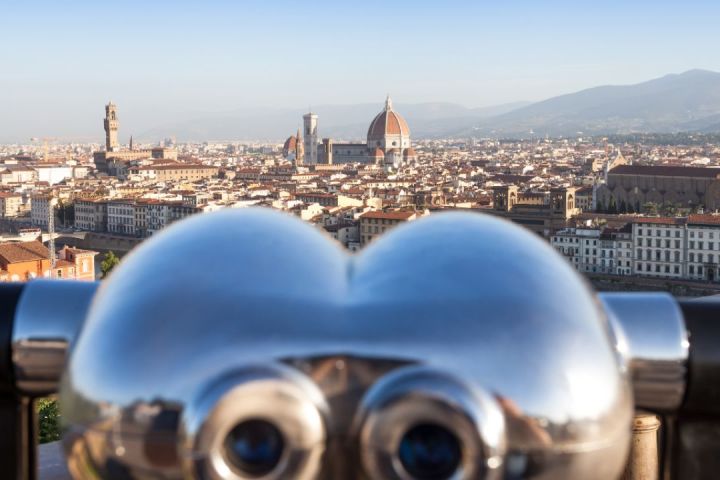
point(274, 422)
point(458, 346)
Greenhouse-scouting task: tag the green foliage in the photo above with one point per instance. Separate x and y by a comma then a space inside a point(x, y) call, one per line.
point(48, 420)
point(612, 206)
point(65, 213)
point(651, 208)
point(108, 263)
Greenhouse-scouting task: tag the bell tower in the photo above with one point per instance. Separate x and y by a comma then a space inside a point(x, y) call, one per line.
point(310, 122)
point(299, 149)
point(111, 128)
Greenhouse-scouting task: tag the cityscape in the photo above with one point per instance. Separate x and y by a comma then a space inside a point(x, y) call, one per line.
point(272, 240)
point(623, 211)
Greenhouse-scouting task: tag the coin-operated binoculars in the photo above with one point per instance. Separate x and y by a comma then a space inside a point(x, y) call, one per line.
point(247, 345)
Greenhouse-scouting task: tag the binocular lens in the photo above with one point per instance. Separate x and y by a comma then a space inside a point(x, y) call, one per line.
point(254, 447)
point(429, 451)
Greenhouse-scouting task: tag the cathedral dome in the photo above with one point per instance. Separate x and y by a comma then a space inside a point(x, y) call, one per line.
point(289, 146)
point(388, 122)
point(377, 153)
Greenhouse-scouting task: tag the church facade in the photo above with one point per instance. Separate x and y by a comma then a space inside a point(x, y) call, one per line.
point(388, 143)
point(631, 187)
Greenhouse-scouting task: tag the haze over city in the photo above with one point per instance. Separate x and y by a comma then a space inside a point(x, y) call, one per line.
point(171, 61)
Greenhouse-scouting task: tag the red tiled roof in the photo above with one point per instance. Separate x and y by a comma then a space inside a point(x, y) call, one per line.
point(388, 122)
point(378, 152)
point(290, 144)
point(665, 171)
point(704, 219)
point(23, 252)
point(661, 220)
point(179, 166)
point(403, 215)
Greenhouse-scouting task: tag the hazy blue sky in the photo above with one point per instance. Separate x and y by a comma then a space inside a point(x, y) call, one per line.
point(61, 61)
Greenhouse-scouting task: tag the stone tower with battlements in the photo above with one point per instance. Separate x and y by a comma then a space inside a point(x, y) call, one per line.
point(111, 128)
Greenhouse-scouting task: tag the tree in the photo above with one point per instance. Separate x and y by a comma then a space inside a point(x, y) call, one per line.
point(650, 208)
point(108, 263)
point(48, 419)
point(612, 206)
point(65, 212)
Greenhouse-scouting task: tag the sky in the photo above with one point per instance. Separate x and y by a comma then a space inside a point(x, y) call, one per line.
point(61, 61)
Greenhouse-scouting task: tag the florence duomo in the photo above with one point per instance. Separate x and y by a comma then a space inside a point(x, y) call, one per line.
point(388, 143)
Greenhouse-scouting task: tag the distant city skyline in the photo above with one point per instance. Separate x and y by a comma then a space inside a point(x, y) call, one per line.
point(160, 61)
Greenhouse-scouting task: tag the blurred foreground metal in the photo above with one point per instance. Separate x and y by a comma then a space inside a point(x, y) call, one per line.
point(459, 346)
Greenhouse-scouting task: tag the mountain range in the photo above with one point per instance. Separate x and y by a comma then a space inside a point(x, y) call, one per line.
point(683, 102)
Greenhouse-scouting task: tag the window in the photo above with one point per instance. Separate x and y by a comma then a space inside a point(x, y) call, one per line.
point(639, 266)
point(677, 243)
point(692, 257)
point(677, 269)
point(692, 244)
point(691, 269)
point(692, 234)
point(677, 256)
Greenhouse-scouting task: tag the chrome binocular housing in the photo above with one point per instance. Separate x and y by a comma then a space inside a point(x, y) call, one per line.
point(245, 344)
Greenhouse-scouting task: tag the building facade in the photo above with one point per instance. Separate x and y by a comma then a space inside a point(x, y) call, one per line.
point(91, 215)
point(629, 188)
point(675, 248)
point(374, 224)
point(542, 213)
point(11, 204)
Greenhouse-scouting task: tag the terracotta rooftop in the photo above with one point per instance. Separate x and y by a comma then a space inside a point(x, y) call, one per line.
point(661, 220)
point(403, 215)
point(704, 219)
point(663, 171)
point(23, 252)
point(388, 122)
